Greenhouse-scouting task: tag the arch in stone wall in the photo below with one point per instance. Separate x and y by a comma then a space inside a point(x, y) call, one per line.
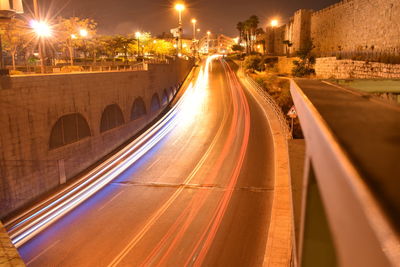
point(155, 103)
point(165, 98)
point(138, 109)
point(68, 129)
point(171, 93)
point(111, 118)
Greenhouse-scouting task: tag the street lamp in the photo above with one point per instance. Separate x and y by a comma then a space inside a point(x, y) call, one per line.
point(274, 23)
point(42, 30)
point(180, 8)
point(138, 35)
point(83, 33)
point(194, 21)
point(208, 41)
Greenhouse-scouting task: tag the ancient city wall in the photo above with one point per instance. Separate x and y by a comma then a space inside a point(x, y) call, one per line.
point(330, 67)
point(355, 25)
point(31, 105)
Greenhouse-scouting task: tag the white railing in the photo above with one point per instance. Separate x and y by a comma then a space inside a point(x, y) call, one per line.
point(360, 232)
point(277, 110)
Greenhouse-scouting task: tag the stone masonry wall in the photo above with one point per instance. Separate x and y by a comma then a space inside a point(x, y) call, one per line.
point(356, 25)
point(31, 105)
point(330, 67)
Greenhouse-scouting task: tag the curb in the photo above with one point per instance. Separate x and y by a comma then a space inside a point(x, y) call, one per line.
point(279, 242)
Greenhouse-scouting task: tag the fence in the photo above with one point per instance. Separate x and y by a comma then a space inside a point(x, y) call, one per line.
point(277, 110)
point(96, 67)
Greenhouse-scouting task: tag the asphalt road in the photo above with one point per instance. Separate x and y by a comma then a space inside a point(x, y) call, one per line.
point(200, 197)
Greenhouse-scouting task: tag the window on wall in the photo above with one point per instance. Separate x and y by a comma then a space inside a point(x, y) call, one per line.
point(69, 129)
point(155, 103)
point(138, 109)
point(164, 98)
point(111, 118)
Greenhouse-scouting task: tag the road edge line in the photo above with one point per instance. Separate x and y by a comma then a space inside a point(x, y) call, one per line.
point(278, 250)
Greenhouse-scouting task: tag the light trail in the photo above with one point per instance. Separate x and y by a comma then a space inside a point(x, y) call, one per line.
point(38, 218)
point(201, 85)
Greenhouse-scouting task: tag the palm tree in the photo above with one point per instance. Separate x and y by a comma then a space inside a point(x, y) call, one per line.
point(247, 31)
point(240, 28)
point(253, 22)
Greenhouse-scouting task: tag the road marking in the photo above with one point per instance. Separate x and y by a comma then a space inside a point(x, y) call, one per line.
point(175, 142)
point(209, 234)
point(168, 203)
point(108, 202)
point(43, 252)
point(152, 165)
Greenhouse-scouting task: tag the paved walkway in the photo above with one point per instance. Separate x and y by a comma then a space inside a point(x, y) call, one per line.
point(9, 256)
point(368, 129)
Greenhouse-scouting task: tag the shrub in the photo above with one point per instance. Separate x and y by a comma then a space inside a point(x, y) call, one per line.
point(16, 72)
point(71, 69)
point(253, 63)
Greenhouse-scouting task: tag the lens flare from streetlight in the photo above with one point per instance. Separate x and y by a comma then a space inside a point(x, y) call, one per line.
point(83, 33)
point(274, 22)
point(180, 7)
point(41, 28)
point(194, 21)
point(138, 34)
point(208, 33)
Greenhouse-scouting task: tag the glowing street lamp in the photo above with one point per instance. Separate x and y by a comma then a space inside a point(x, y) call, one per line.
point(83, 33)
point(138, 35)
point(194, 21)
point(180, 8)
point(41, 28)
point(208, 41)
point(274, 23)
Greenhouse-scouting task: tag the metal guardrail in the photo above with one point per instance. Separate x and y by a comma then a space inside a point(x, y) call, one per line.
point(277, 110)
point(99, 67)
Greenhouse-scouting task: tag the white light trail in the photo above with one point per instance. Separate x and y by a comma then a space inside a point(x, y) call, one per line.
point(41, 216)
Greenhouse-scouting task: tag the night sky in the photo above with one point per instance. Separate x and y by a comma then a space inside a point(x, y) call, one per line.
point(157, 16)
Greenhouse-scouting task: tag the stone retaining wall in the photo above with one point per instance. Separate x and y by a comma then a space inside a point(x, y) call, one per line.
point(330, 67)
point(31, 105)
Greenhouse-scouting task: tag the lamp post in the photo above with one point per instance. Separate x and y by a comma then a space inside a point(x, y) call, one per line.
point(274, 24)
point(138, 35)
point(40, 48)
point(42, 30)
point(194, 21)
point(208, 41)
point(180, 7)
point(7, 12)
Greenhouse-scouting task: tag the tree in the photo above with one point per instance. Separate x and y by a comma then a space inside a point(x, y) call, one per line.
point(304, 66)
point(69, 32)
point(248, 31)
point(253, 22)
point(240, 28)
point(16, 38)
